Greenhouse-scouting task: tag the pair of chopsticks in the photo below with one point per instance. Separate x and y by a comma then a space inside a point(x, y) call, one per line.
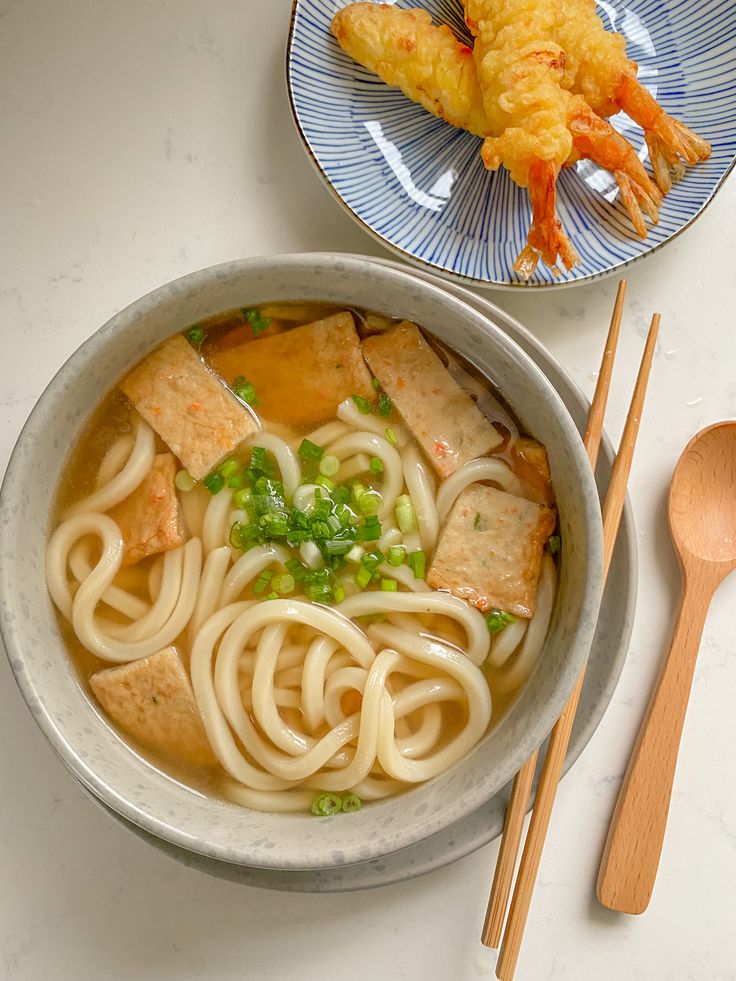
point(510, 940)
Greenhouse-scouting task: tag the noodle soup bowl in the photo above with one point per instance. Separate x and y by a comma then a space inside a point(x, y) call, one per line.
point(74, 725)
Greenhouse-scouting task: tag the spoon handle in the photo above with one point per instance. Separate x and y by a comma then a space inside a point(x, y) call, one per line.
point(634, 844)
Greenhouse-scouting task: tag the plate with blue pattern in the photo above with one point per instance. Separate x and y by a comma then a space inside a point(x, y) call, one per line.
point(419, 186)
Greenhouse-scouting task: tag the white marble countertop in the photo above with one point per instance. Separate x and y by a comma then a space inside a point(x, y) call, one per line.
point(140, 141)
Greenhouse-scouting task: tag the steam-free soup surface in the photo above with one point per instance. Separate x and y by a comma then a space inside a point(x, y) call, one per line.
point(304, 557)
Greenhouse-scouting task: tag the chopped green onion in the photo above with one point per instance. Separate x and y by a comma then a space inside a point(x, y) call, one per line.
point(389, 585)
point(184, 481)
point(326, 804)
point(369, 502)
point(370, 530)
point(417, 563)
point(405, 516)
point(262, 581)
point(283, 584)
point(236, 481)
point(324, 482)
point(498, 620)
point(242, 498)
point(363, 404)
point(296, 569)
point(385, 405)
point(339, 593)
point(245, 390)
point(392, 437)
point(272, 595)
point(476, 520)
point(396, 555)
point(375, 383)
point(329, 465)
point(351, 803)
point(363, 577)
point(376, 465)
point(214, 482)
point(257, 322)
point(228, 467)
point(555, 544)
point(358, 491)
point(195, 336)
point(310, 451)
point(355, 554)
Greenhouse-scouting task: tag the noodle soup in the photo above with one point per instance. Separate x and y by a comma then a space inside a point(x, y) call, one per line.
point(304, 557)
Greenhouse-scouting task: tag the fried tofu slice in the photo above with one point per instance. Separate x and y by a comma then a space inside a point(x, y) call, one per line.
point(442, 417)
point(152, 701)
point(188, 406)
point(151, 519)
point(490, 550)
point(303, 374)
point(531, 464)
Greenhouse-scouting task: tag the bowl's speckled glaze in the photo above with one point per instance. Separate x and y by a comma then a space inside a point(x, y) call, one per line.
point(92, 750)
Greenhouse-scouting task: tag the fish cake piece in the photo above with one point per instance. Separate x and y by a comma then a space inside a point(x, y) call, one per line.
point(442, 417)
point(151, 519)
point(490, 550)
point(303, 374)
point(152, 701)
point(188, 406)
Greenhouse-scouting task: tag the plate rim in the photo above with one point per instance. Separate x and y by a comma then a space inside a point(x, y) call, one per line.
point(447, 274)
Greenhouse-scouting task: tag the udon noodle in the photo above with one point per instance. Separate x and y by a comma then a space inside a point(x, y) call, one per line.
point(314, 669)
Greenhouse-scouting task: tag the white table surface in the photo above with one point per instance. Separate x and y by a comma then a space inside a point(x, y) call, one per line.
point(142, 140)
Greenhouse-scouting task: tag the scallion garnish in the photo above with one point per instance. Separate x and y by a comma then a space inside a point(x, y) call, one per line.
point(385, 405)
point(396, 555)
point(184, 481)
point(262, 581)
point(417, 563)
point(236, 481)
point(283, 584)
point(214, 482)
point(324, 805)
point(363, 577)
point(375, 383)
point(324, 482)
point(405, 516)
point(389, 585)
point(498, 620)
point(476, 521)
point(370, 530)
point(363, 404)
point(329, 465)
point(369, 503)
point(195, 335)
point(555, 544)
point(228, 467)
point(376, 465)
point(257, 323)
point(244, 389)
point(392, 437)
point(310, 451)
point(242, 498)
point(351, 803)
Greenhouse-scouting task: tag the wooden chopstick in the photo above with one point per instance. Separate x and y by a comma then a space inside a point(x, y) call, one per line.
point(522, 787)
point(560, 736)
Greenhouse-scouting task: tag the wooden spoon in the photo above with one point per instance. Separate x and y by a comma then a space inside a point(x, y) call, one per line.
point(702, 514)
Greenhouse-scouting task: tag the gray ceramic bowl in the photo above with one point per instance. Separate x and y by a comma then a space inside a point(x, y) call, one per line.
point(92, 750)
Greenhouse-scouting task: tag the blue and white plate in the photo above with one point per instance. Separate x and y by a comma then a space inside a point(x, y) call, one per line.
point(419, 186)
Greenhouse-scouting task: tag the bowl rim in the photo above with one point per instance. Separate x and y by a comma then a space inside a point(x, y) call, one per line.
point(11, 628)
point(458, 278)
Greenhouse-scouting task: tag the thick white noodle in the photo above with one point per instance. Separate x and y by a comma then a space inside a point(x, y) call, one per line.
point(482, 468)
point(116, 598)
point(114, 460)
point(420, 484)
point(249, 565)
point(353, 466)
point(210, 589)
point(216, 525)
point(349, 412)
point(126, 481)
point(328, 433)
point(439, 604)
point(518, 668)
point(286, 459)
point(372, 445)
point(404, 575)
point(194, 504)
point(162, 608)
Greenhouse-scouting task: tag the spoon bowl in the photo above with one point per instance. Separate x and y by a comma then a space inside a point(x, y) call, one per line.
point(702, 505)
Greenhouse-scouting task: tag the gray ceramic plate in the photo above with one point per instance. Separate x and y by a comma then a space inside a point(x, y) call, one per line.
point(606, 661)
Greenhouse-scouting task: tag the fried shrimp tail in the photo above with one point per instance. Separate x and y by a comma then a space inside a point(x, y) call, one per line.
point(595, 139)
point(546, 238)
point(426, 62)
point(597, 68)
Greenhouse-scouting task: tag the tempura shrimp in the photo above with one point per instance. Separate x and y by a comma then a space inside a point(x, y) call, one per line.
point(598, 69)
